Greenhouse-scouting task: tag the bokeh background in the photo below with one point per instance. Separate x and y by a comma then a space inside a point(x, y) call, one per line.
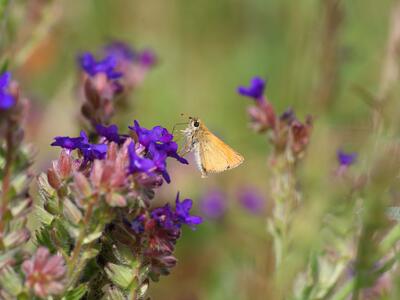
point(321, 57)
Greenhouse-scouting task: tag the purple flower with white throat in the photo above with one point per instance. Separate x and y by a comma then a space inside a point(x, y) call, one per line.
point(255, 90)
point(6, 99)
point(213, 204)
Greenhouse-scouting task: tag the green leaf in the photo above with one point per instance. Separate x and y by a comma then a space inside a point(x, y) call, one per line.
point(91, 237)
point(113, 293)
point(120, 275)
point(43, 238)
point(10, 281)
point(43, 216)
point(77, 293)
point(124, 255)
point(46, 192)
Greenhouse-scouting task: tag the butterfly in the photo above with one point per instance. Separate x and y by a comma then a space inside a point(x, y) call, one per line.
point(212, 155)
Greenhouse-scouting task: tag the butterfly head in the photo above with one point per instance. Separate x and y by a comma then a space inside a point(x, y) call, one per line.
point(194, 123)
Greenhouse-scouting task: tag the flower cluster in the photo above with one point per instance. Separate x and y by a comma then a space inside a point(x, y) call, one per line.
point(105, 80)
point(118, 160)
point(113, 171)
point(157, 232)
point(287, 133)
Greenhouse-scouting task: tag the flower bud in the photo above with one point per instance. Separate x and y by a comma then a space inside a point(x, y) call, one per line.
point(82, 185)
point(16, 238)
point(53, 178)
point(64, 165)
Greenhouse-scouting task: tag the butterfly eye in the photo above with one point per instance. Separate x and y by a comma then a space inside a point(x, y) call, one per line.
point(196, 124)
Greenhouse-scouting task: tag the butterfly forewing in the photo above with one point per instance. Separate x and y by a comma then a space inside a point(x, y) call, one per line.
point(215, 155)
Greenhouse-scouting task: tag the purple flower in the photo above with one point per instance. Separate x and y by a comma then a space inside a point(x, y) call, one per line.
point(213, 204)
point(137, 225)
point(89, 151)
point(6, 99)
point(110, 133)
point(156, 135)
point(92, 151)
point(161, 138)
point(251, 200)
point(138, 163)
point(182, 210)
point(165, 217)
point(93, 67)
point(120, 50)
point(346, 159)
point(255, 90)
point(67, 142)
point(147, 58)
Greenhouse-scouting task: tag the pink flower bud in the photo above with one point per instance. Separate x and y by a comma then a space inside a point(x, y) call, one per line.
point(82, 185)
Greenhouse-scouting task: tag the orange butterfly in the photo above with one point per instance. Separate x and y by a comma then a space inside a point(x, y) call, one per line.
point(212, 155)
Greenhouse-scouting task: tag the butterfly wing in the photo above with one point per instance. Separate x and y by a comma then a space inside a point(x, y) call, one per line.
point(216, 156)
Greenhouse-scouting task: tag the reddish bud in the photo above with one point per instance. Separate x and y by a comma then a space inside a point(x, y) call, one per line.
point(53, 178)
point(64, 165)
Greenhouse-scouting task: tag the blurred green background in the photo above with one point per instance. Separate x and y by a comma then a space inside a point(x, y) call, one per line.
point(206, 49)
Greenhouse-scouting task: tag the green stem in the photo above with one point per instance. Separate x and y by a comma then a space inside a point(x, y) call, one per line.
point(74, 259)
point(6, 182)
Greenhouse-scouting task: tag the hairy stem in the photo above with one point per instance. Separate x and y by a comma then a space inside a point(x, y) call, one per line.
point(74, 258)
point(6, 181)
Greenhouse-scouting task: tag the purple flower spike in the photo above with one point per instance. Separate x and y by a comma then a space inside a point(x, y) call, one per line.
point(346, 159)
point(6, 99)
point(213, 204)
point(251, 200)
point(110, 133)
point(255, 90)
point(182, 212)
point(93, 67)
